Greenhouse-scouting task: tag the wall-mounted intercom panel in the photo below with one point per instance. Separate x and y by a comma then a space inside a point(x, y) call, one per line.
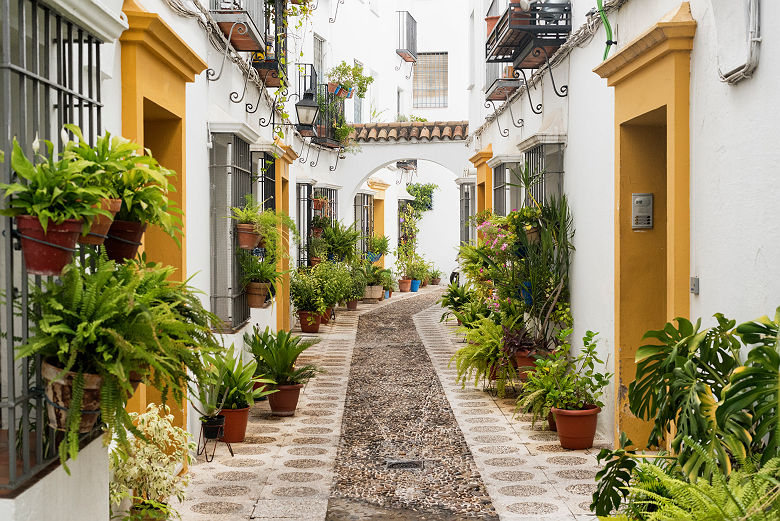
point(641, 211)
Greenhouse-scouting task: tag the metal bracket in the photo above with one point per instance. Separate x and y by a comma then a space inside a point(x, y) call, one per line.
point(398, 67)
point(520, 122)
point(271, 120)
point(316, 161)
point(414, 64)
point(308, 149)
point(251, 109)
point(234, 95)
point(338, 156)
point(211, 74)
point(503, 131)
point(314, 7)
point(538, 108)
point(564, 88)
point(333, 20)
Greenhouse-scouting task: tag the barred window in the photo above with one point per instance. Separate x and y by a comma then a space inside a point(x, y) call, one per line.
point(467, 210)
point(265, 171)
point(231, 182)
point(364, 219)
point(304, 213)
point(319, 57)
point(430, 80)
point(547, 160)
point(358, 104)
point(507, 194)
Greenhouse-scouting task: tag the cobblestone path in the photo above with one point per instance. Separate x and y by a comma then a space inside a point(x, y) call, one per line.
point(401, 454)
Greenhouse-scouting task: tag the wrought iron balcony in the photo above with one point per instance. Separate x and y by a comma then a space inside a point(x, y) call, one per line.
point(500, 81)
point(331, 113)
point(525, 38)
point(242, 21)
point(269, 62)
point(407, 37)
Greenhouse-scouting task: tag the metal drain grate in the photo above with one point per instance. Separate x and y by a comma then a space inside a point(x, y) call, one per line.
point(405, 464)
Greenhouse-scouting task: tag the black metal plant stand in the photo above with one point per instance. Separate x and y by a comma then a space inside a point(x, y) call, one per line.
point(204, 448)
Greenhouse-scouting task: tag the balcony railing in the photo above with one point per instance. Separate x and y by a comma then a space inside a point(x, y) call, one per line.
point(500, 81)
point(331, 112)
point(407, 37)
point(242, 21)
point(517, 33)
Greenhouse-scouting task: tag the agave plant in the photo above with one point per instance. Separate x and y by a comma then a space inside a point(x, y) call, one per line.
point(277, 354)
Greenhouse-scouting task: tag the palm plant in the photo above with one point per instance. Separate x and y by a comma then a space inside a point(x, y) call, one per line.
point(279, 353)
point(455, 298)
point(238, 381)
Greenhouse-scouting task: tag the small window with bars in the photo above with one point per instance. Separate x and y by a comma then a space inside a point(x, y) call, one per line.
point(431, 77)
point(313, 203)
point(507, 193)
point(264, 166)
point(546, 160)
point(319, 57)
point(364, 219)
point(467, 210)
point(231, 181)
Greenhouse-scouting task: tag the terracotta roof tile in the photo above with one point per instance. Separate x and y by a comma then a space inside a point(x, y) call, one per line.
point(411, 130)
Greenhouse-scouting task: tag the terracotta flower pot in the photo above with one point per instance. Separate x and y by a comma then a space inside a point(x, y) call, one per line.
point(124, 238)
point(60, 391)
point(404, 285)
point(284, 401)
point(532, 234)
point(314, 261)
point(316, 232)
point(390, 294)
point(436, 281)
point(424, 283)
point(326, 316)
point(333, 87)
point(524, 364)
point(235, 424)
point(46, 253)
point(256, 292)
point(551, 422)
point(248, 238)
point(491, 23)
point(213, 427)
point(101, 223)
point(310, 321)
point(318, 204)
point(352, 305)
point(576, 429)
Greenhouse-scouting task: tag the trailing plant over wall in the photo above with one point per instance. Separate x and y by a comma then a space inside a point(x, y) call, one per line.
point(423, 196)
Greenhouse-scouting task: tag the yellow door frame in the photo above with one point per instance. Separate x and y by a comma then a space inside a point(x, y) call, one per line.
point(651, 76)
point(283, 163)
point(379, 211)
point(484, 192)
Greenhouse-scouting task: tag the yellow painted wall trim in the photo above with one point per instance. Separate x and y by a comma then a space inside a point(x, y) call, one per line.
point(673, 33)
point(482, 156)
point(379, 186)
point(150, 31)
point(286, 157)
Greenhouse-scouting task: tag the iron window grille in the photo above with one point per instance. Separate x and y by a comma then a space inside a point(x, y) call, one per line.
point(319, 57)
point(49, 76)
point(265, 168)
point(431, 78)
point(407, 37)
point(467, 211)
point(357, 105)
point(547, 160)
point(331, 112)
point(231, 181)
point(364, 219)
point(304, 213)
point(507, 194)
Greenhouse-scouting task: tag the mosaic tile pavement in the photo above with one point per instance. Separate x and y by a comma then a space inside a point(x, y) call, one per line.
point(525, 471)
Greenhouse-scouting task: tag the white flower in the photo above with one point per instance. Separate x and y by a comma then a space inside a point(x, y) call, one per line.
point(36, 145)
point(65, 137)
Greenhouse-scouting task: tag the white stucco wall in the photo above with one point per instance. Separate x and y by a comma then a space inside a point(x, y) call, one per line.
point(80, 496)
point(735, 219)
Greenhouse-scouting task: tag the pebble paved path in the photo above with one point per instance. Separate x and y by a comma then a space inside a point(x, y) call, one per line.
point(396, 414)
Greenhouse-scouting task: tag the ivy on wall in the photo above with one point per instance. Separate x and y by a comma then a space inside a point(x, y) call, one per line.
point(423, 196)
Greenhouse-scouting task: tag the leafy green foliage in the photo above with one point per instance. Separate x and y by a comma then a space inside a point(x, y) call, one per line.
point(239, 380)
point(277, 353)
point(249, 213)
point(455, 298)
point(341, 241)
point(334, 280)
point(357, 288)
point(580, 384)
point(349, 77)
point(373, 274)
point(379, 245)
point(614, 478)
point(112, 320)
point(53, 190)
point(423, 196)
point(256, 269)
point(305, 292)
point(483, 357)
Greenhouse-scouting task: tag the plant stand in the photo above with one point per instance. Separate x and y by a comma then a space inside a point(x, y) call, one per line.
point(204, 448)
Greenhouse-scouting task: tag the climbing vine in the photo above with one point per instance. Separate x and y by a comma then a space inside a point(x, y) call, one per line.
point(423, 196)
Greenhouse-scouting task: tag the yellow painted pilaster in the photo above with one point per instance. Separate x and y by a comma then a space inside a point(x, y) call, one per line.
point(484, 178)
point(379, 212)
point(651, 76)
point(154, 115)
point(283, 163)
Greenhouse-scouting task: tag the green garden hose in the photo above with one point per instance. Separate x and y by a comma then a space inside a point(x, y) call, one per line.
point(607, 28)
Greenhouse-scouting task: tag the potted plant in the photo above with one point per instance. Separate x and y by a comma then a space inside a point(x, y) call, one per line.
point(53, 207)
point(389, 283)
point(341, 241)
point(318, 224)
point(320, 202)
point(454, 299)
point(435, 276)
point(146, 472)
point(279, 353)
point(522, 348)
point(239, 386)
point(246, 223)
point(357, 287)
point(416, 270)
point(318, 250)
point(483, 359)
point(374, 289)
point(105, 325)
point(335, 282)
point(306, 296)
point(143, 185)
point(258, 276)
point(535, 392)
point(270, 224)
point(211, 396)
point(576, 397)
point(345, 80)
point(377, 246)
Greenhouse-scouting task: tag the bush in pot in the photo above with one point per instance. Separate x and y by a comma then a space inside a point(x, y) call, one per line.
point(389, 282)
point(246, 218)
point(341, 242)
point(377, 247)
point(483, 357)
point(104, 326)
point(279, 353)
point(575, 400)
point(306, 296)
point(269, 224)
point(455, 299)
point(52, 207)
point(145, 472)
point(357, 287)
point(349, 79)
point(240, 390)
point(335, 281)
point(259, 276)
point(318, 224)
point(373, 275)
point(435, 276)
